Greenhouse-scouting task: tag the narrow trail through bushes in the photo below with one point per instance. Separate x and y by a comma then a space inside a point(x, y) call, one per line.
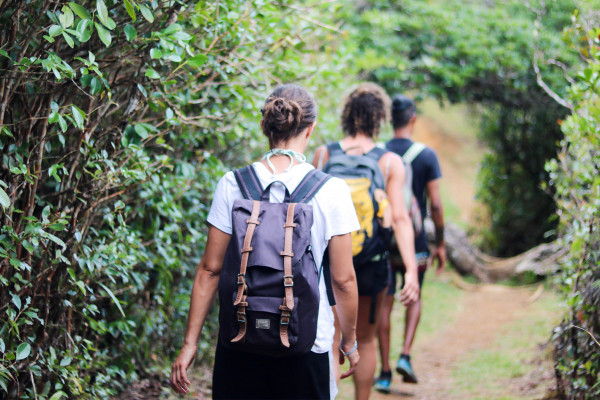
point(478, 317)
point(484, 311)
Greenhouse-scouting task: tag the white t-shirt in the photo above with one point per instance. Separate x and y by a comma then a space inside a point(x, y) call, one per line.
point(333, 214)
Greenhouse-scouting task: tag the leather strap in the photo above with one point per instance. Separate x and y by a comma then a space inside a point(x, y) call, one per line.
point(242, 294)
point(288, 278)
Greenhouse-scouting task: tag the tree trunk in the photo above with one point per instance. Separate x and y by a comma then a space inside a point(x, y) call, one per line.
point(468, 259)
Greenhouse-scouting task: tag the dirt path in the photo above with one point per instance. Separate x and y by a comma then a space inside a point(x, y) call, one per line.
point(483, 312)
point(451, 132)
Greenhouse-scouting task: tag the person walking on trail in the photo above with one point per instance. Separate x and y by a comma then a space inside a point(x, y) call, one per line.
point(426, 176)
point(264, 254)
point(375, 177)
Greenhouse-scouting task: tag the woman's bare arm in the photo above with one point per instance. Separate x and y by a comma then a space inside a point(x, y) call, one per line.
point(401, 225)
point(203, 295)
point(343, 281)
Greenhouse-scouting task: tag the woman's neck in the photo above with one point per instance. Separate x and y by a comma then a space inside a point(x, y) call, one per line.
point(281, 162)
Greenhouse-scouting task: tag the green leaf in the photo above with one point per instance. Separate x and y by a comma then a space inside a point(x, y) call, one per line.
point(4, 199)
point(66, 17)
point(16, 300)
point(68, 39)
point(110, 23)
point(53, 238)
point(23, 351)
point(112, 296)
point(141, 130)
point(57, 227)
point(130, 10)
point(105, 35)
point(155, 53)
point(54, 30)
point(85, 29)
point(102, 11)
point(197, 61)
point(28, 246)
point(152, 74)
point(78, 116)
point(81, 12)
point(71, 272)
point(58, 395)
point(2, 346)
point(63, 123)
point(130, 32)
point(146, 13)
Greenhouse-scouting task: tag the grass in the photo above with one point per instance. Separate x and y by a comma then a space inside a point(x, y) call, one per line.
point(490, 373)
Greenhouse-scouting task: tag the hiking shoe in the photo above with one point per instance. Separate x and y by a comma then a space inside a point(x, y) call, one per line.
point(383, 383)
point(404, 368)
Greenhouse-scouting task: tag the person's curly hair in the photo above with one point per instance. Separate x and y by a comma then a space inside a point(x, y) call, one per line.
point(366, 108)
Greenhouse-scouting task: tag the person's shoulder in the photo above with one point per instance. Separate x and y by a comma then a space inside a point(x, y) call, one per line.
point(429, 154)
point(392, 158)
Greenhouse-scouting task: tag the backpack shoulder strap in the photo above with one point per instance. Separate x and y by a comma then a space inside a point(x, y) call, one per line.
point(309, 186)
point(413, 152)
point(376, 153)
point(334, 148)
point(248, 182)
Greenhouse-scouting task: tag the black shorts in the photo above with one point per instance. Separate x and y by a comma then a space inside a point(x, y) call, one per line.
point(400, 269)
point(373, 276)
point(240, 375)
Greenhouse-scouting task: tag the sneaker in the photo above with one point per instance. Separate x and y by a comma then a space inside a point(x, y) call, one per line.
point(383, 383)
point(404, 368)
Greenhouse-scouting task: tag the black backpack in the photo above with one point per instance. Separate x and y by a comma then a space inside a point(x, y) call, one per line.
point(269, 284)
point(363, 176)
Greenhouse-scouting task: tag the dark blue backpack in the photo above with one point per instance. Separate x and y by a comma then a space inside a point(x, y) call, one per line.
point(269, 284)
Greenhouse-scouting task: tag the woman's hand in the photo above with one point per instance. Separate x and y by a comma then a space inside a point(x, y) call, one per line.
point(353, 358)
point(179, 380)
point(410, 291)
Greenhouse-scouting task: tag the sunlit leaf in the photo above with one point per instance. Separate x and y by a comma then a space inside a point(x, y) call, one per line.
point(23, 351)
point(102, 11)
point(81, 12)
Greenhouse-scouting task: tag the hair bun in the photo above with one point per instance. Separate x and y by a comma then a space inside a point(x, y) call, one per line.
point(282, 115)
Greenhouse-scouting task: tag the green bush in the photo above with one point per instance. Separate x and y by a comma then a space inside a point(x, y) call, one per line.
point(116, 120)
point(575, 175)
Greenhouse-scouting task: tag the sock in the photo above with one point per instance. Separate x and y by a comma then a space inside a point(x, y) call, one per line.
point(405, 356)
point(385, 375)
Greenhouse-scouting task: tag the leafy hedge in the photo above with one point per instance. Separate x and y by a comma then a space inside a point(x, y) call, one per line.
point(576, 177)
point(116, 118)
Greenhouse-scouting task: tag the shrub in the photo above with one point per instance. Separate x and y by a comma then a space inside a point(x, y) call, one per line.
point(575, 174)
point(116, 118)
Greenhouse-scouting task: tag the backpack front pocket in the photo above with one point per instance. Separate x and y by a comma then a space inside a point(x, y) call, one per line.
point(263, 322)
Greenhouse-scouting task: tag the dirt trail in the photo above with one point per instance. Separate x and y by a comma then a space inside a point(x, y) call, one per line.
point(483, 312)
point(459, 153)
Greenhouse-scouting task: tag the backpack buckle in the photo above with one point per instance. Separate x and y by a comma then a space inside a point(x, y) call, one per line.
point(285, 318)
point(241, 317)
point(241, 279)
point(291, 278)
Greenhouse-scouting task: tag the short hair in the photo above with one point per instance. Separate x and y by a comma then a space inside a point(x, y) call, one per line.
point(403, 109)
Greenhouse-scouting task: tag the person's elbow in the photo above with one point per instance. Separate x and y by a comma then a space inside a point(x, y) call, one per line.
point(345, 283)
point(400, 219)
point(209, 270)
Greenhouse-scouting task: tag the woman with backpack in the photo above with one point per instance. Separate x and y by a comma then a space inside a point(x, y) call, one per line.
point(368, 170)
point(263, 254)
